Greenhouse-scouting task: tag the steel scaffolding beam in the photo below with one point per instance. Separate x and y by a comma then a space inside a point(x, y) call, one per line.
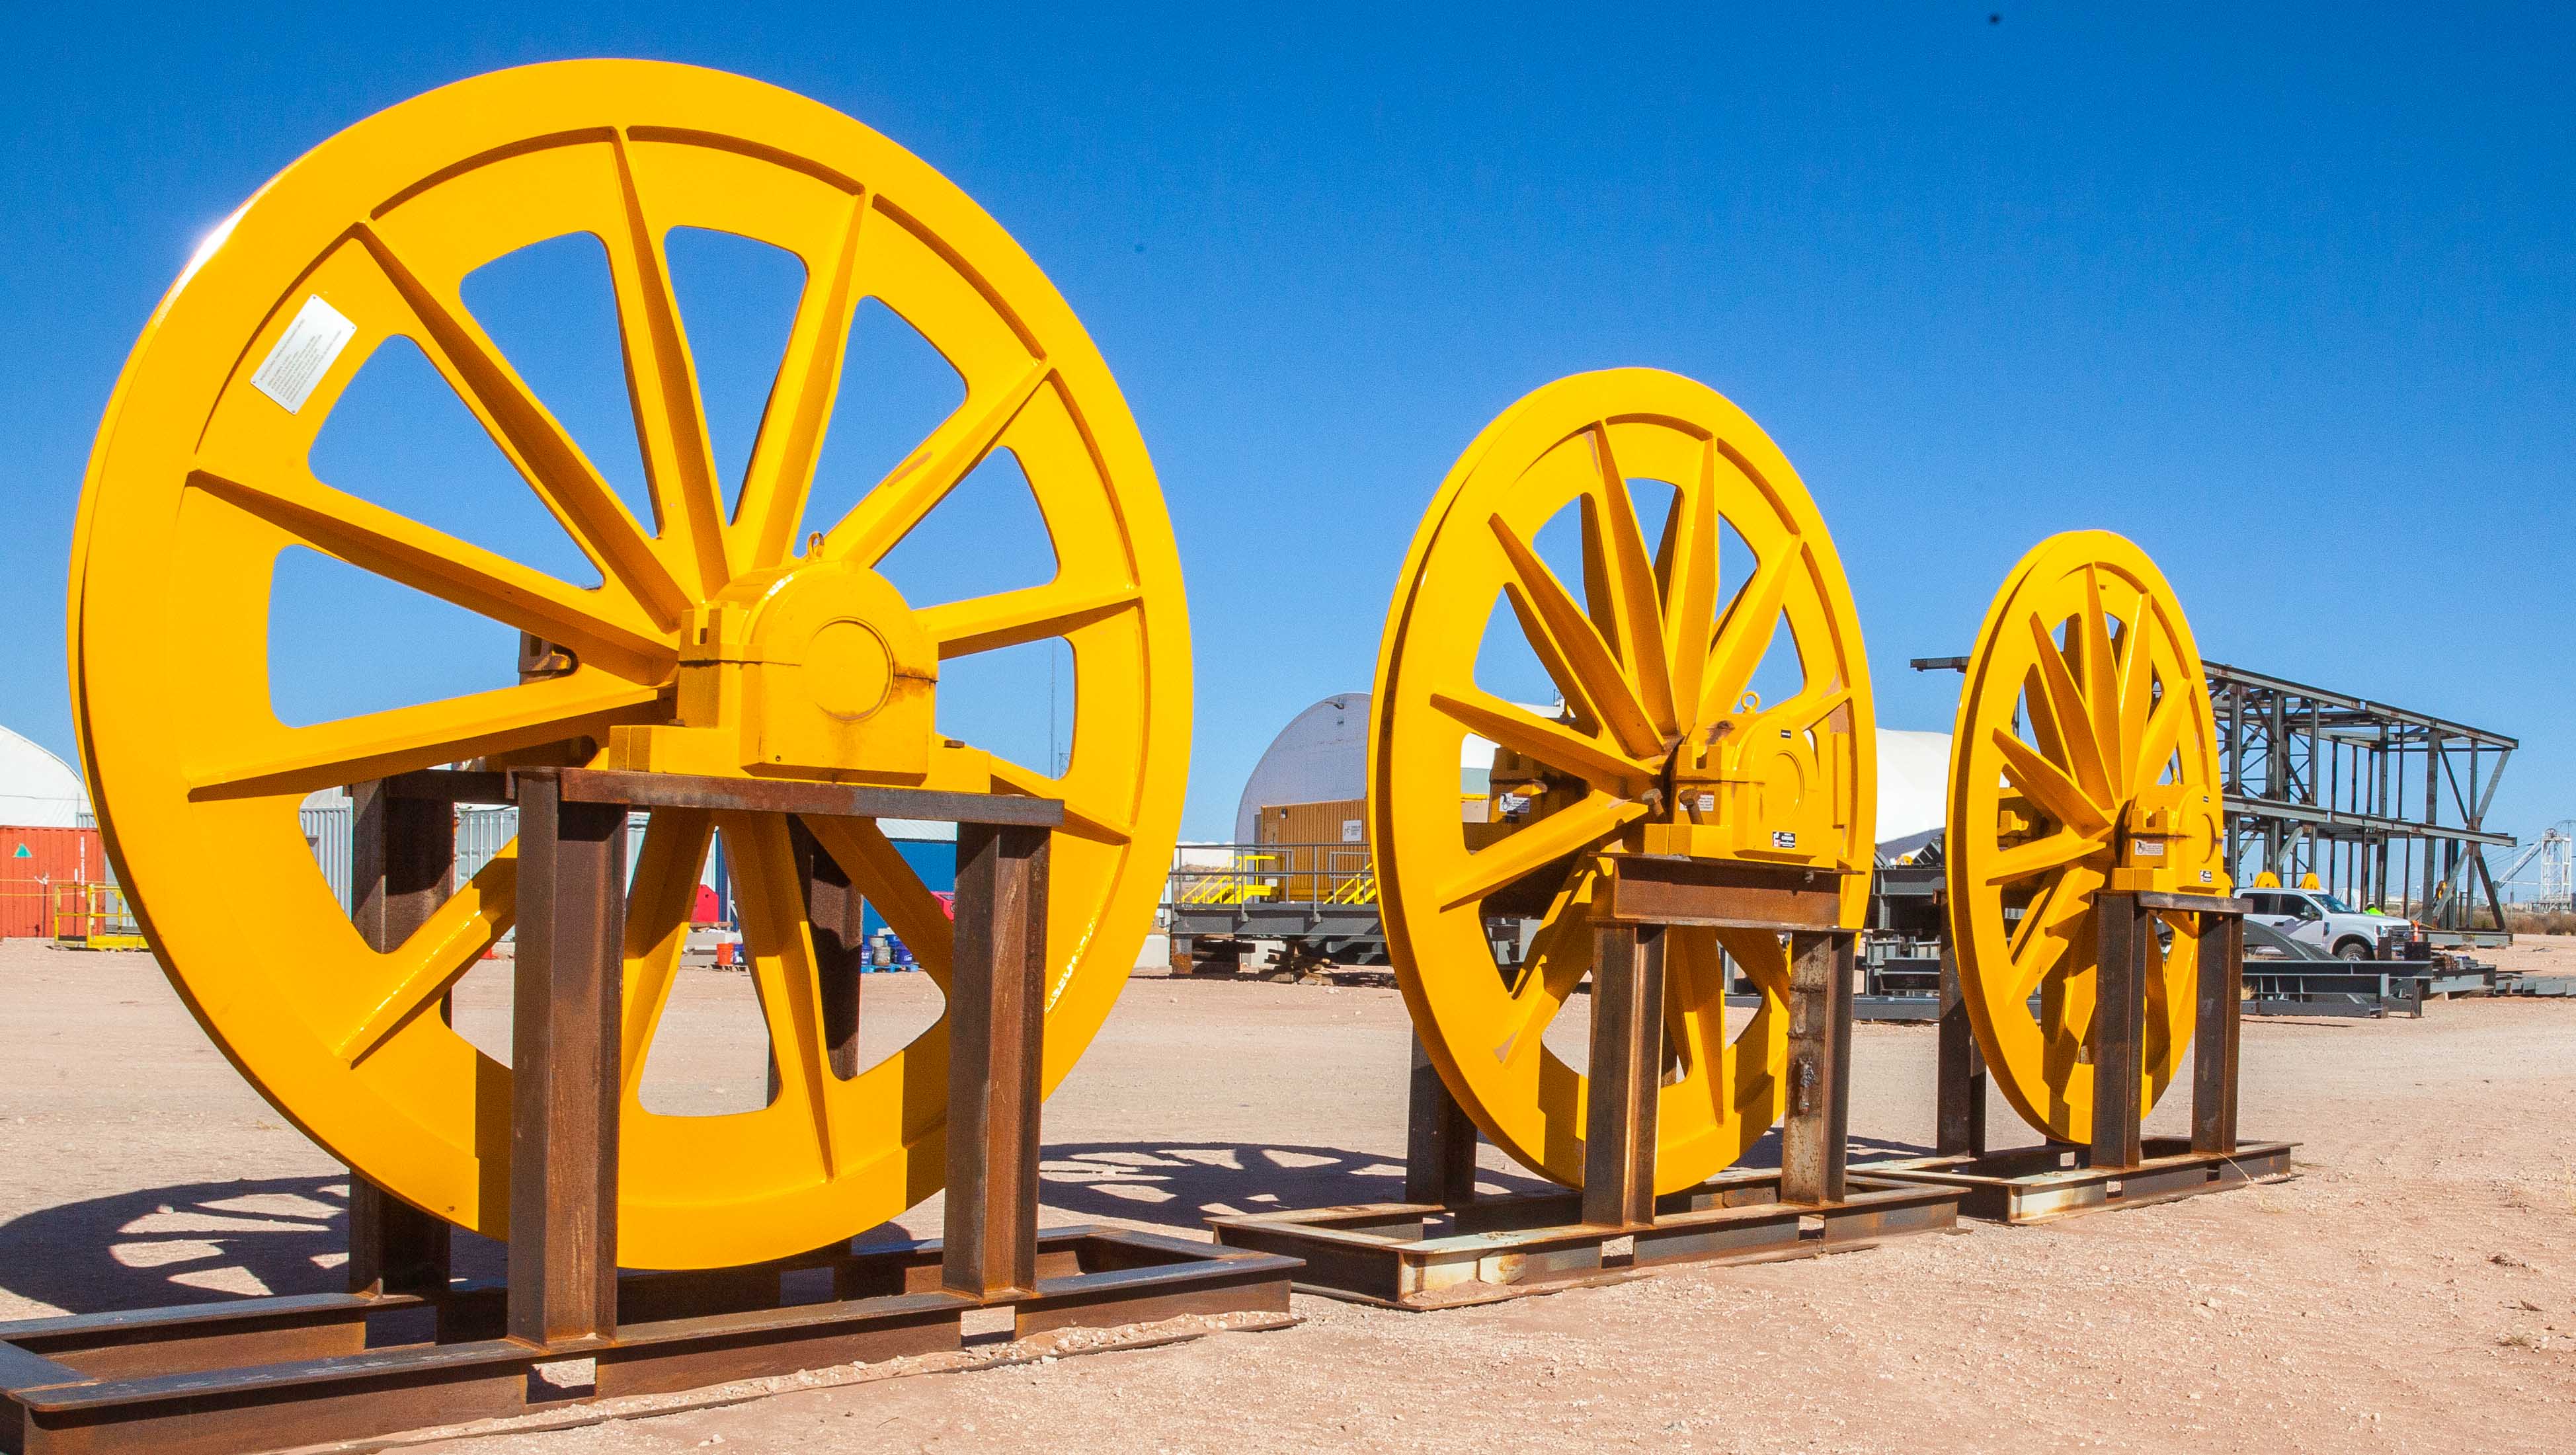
point(2384, 805)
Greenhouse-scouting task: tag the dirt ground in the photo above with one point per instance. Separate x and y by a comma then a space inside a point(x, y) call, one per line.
point(2414, 1288)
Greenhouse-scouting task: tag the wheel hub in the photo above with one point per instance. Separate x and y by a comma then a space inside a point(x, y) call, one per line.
point(1746, 788)
point(814, 669)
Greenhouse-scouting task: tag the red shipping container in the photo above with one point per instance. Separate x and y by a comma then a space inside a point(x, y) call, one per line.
point(32, 862)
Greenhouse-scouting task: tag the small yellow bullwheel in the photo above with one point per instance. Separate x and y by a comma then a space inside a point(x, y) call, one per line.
point(716, 641)
point(2085, 758)
point(1659, 743)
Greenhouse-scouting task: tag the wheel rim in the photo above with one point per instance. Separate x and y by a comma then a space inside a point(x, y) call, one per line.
point(2059, 734)
point(198, 483)
point(1636, 681)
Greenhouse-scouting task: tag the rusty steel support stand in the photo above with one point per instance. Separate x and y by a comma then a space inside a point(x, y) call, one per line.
point(996, 1057)
point(2117, 1038)
point(1439, 1139)
point(1960, 1094)
point(2215, 1037)
point(1814, 1132)
point(307, 1369)
point(564, 1067)
point(1626, 1076)
point(403, 864)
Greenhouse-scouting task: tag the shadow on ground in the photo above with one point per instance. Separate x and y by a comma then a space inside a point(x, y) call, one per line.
point(207, 1242)
point(1181, 1184)
point(203, 1242)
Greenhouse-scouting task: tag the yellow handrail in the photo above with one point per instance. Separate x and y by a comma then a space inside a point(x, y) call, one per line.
point(92, 916)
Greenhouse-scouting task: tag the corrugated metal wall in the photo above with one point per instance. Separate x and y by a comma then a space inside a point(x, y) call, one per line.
point(32, 862)
point(327, 832)
point(480, 833)
point(1313, 844)
point(481, 830)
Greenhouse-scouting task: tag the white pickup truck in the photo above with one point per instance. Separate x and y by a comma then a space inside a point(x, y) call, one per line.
point(2320, 919)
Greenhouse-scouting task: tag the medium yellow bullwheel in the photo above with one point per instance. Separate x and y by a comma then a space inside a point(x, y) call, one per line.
point(1659, 743)
point(2085, 759)
point(716, 641)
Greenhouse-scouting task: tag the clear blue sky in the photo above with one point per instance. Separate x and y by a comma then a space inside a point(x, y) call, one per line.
point(2285, 295)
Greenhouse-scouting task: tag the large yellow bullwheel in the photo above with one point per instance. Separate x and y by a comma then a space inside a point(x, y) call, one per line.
point(1660, 743)
point(200, 481)
point(2084, 731)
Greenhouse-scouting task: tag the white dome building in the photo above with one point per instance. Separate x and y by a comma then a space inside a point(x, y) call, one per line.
point(1913, 785)
point(1321, 756)
point(37, 789)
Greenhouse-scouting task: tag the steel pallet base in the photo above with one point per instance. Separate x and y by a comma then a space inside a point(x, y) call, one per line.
point(1446, 1245)
point(410, 1347)
point(2056, 1180)
point(1424, 1256)
point(262, 1373)
point(2121, 1166)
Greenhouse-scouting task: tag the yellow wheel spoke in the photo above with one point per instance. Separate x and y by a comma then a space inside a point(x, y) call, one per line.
point(544, 452)
point(1088, 811)
point(2039, 856)
point(1687, 1006)
point(2049, 933)
point(2070, 720)
point(878, 871)
point(1524, 851)
point(380, 744)
point(886, 514)
point(439, 953)
point(1764, 961)
point(670, 416)
point(1031, 614)
point(1552, 743)
point(2047, 953)
point(2033, 915)
point(2047, 785)
point(2162, 732)
point(1744, 635)
point(1542, 643)
point(1632, 586)
point(2101, 679)
point(589, 623)
point(1573, 640)
point(659, 898)
point(1687, 567)
point(2137, 764)
point(1812, 706)
point(1560, 955)
point(776, 934)
point(781, 474)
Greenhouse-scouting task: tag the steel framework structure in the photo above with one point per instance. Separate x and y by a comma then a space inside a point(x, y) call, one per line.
point(2385, 806)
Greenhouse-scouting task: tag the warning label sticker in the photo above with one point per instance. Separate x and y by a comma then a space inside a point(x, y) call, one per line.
point(303, 354)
